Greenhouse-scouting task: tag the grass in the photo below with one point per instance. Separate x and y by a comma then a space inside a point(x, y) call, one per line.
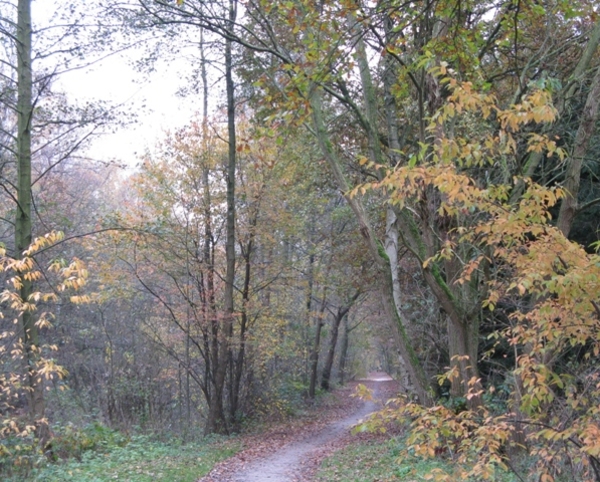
point(140, 460)
point(379, 461)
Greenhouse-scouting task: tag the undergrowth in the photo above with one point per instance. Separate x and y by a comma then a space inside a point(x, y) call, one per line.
point(96, 454)
point(381, 461)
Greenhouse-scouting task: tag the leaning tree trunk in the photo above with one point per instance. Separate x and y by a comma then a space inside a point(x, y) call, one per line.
point(415, 369)
point(587, 126)
point(391, 236)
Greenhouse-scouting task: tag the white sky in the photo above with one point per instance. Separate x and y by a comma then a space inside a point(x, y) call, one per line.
point(153, 97)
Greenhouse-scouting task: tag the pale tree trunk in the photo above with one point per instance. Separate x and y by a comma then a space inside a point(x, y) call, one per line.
point(391, 234)
point(392, 237)
point(391, 249)
point(420, 236)
point(23, 222)
point(397, 324)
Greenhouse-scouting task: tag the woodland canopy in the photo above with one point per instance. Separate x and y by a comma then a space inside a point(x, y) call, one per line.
point(411, 186)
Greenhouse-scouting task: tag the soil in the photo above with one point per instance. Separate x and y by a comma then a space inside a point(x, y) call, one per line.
point(292, 452)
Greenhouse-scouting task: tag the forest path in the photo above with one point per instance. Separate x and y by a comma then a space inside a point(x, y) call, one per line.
point(292, 453)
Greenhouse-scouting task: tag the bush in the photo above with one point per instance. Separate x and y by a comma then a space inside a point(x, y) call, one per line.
point(72, 442)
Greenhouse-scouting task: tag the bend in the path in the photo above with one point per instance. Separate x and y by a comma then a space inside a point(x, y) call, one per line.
point(285, 463)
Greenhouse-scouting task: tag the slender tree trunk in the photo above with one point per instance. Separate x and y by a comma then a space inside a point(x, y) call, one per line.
point(328, 366)
point(314, 355)
point(343, 352)
point(308, 317)
point(211, 341)
point(314, 359)
point(23, 221)
point(182, 425)
point(417, 374)
point(188, 402)
point(210, 332)
point(239, 359)
point(216, 419)
point(392, 237)
point(335, 327)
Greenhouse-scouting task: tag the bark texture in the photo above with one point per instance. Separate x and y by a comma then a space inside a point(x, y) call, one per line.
point(587, 126)
point(23, 221)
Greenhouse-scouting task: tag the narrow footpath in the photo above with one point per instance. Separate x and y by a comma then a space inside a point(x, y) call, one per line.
point(295, 457)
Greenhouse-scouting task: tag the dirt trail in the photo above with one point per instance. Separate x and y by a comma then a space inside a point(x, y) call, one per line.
point(284, 464)
point(289, 460)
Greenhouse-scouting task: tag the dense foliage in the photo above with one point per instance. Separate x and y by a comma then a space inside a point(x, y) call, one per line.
point(406, 185)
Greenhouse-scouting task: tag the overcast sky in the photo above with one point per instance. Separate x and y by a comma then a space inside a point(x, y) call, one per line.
point(152, 96)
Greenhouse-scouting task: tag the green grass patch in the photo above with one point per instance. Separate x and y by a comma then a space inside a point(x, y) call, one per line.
point(141, 460)
point(380, 461)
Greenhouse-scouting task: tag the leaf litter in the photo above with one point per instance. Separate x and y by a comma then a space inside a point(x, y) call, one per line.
point(293, 451)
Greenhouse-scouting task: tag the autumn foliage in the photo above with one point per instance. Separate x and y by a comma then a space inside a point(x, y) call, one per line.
point(521, 260)
point(408, 186)
point(66, 278)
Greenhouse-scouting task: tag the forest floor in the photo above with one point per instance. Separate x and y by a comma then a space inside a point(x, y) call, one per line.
point(293, 451)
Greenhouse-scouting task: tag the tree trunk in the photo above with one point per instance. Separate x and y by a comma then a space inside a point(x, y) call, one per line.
point(391, 241)
point(210, 335)
point(417, 374)
point(314, 359)
point(216, 422)
point(587, 126)
point(306, 353)
point(335, 327)
point(23, 221)
point(343, 352)
point(462, 306)
point(314, 355)
point(240, 356)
